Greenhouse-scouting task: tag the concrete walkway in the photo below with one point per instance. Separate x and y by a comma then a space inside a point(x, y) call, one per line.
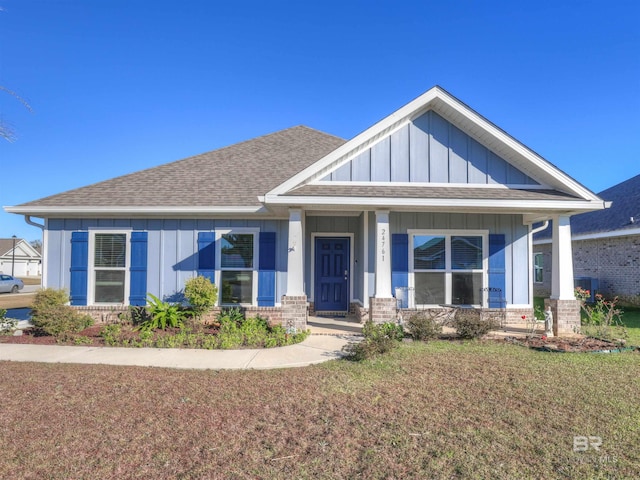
point(315, 349)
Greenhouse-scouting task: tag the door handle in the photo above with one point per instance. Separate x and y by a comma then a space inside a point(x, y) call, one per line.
point(345, 274)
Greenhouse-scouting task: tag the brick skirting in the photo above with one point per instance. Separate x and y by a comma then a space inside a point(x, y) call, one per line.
point(382, 310)
point(294, 312)
point(566, 315)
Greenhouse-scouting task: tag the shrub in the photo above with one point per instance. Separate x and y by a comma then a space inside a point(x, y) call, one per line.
point(47, 298)
point(201, 294)
point(51, 314)
point(254, 331)
point(470, 324)
point(378, 339)
point(233, 314)
point(230, 335)
point(423, 326)
point(162, 315)
point(600, 316)
point(7, 325)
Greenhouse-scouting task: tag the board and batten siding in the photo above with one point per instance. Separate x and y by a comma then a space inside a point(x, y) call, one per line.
point(430, 150)
point(516, 234)
point(172, 249)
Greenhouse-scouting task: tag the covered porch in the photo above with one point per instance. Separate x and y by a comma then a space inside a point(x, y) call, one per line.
point(355, 264)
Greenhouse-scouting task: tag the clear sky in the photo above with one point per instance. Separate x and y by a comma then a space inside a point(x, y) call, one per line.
point(121, 85)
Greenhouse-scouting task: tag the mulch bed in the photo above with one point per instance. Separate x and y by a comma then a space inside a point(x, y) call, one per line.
point(35, 336)
point(571, 344)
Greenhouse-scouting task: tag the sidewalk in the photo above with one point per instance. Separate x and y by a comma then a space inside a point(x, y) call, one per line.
point(315, 349)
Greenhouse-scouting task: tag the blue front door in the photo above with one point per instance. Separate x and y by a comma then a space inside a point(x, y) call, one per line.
point(332, 274)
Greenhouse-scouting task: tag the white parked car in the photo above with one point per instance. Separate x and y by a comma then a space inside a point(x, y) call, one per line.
point(9, 284)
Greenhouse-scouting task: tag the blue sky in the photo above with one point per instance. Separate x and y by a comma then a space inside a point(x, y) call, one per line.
point(121, 85)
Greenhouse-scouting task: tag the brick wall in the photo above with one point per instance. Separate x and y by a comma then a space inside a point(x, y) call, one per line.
point(382, 310)
point(104, 314)
point(615, 262)
point(294, 312)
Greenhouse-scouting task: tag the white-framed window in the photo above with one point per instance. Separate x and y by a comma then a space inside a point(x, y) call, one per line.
point(109, 261)
point(538, 267)
point(448, 267)
point(237, 261)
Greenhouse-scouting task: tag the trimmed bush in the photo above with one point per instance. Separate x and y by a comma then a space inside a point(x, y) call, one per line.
point(423, 326)
point(470, 324)
point(201, 294)
point(51, 314)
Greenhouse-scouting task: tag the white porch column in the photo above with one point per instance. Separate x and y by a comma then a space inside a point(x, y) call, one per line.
point(383, 255)
point(562, 260)
point(295, 264)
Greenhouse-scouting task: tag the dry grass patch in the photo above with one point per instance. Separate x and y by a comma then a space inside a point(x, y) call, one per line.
point(442, 410)
point(21, 300)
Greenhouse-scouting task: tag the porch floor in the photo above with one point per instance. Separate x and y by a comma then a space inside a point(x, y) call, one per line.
point(349, 325)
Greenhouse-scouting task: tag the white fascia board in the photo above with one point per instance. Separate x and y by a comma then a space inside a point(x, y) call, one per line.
point(47, 211)
point(473, 204)
point(594, 236)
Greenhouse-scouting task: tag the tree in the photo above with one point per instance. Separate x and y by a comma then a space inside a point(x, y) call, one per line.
point(36, 243)
point(6, 131)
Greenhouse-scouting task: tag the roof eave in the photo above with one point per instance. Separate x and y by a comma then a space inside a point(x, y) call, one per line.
point(528, 206)
point(133, 211)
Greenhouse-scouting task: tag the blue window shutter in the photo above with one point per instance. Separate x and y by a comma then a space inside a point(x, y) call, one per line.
point(79, 269)
point(267, 269)
point(400, 263)
point(138, 269)
point(497, 271)
point(207, 255)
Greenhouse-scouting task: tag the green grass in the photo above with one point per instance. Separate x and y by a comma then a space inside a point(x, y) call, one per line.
point(630, 318)
point(438, 410)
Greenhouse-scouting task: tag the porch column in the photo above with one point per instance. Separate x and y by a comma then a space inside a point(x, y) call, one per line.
point(383, 255)
point(294, 302)
point(564, 306)
point(382, 307)
point(295, 263)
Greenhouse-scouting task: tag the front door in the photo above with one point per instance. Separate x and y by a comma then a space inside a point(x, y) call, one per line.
point(332, 274)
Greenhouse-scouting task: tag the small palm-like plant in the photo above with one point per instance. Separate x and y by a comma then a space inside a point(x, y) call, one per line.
point(162, 315)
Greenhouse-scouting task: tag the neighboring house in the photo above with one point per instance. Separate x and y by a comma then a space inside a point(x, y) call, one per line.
point(606, 246)
point(26, 261)
point(434, 199)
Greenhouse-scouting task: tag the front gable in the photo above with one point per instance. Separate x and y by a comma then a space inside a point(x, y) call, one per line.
point(429, 149)
point(441, 153)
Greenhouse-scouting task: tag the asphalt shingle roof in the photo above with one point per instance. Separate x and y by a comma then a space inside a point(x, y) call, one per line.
point(625, 198)
point(231, 176)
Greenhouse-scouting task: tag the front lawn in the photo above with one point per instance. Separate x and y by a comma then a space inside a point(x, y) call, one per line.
point(437, 410)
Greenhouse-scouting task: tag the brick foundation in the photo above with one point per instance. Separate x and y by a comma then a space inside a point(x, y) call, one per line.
point(514, 315)
point(566, 316)
point(104, 314)
point(294, 312)
point(382, 310)
point(361, 313)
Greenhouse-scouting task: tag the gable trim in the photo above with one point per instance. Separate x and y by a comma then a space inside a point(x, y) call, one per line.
point(459, 114)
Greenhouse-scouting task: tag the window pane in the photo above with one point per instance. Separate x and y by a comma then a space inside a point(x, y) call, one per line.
point(109, 286)
point(237, 250)
point(538, 268)
point(466, 288)
point(237, 287)
point(428, 252)
point(466, 253)
point(110, 250)
point(429, 288)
